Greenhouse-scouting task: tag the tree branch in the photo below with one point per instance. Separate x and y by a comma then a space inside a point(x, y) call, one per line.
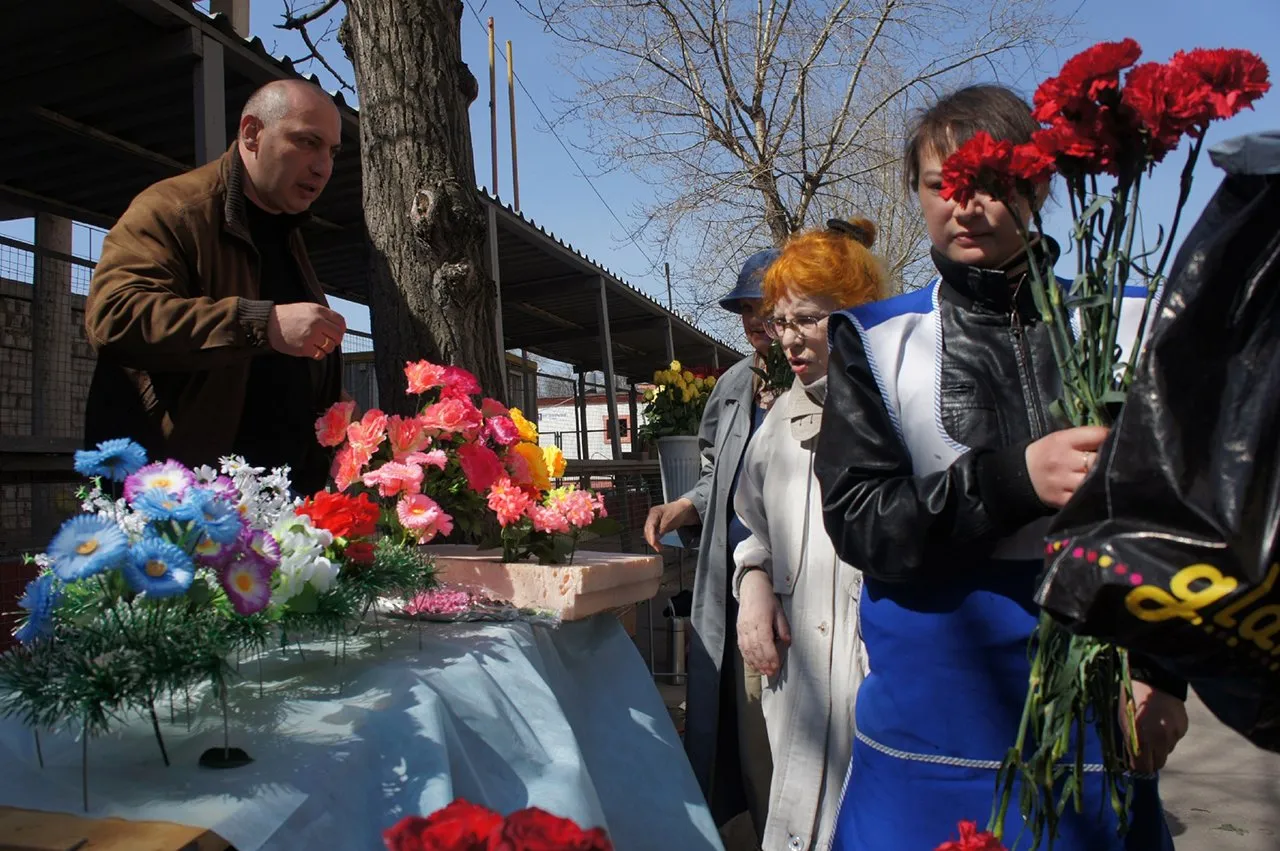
point(300, 23)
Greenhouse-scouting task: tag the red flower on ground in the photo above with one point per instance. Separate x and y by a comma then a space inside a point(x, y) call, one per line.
point(971, 839)
point(461, 826)
point(533, 829)
point(344, 515)
point(1236, 78)
point(1090, 77)
point(979, 165)
point(1169, 101)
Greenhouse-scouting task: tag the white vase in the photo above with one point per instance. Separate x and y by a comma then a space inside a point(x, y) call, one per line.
point(680, 463)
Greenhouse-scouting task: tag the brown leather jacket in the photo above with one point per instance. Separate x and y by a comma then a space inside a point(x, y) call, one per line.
point(174, 316)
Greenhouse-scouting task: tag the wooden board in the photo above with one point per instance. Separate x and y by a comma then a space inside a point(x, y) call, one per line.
point(33, 830)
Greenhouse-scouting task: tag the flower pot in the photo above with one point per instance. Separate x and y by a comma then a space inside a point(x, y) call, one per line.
point(595, 582)
point(680, 463)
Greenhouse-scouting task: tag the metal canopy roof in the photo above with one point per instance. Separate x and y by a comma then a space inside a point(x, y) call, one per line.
point(105, 97)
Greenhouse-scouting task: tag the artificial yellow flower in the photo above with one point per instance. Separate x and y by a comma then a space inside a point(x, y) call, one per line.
point(554, 459)
point(528, 431)
point(687, 375)
point(711, 381)
point(649, 395)
point(538, 473)
point(675, 366)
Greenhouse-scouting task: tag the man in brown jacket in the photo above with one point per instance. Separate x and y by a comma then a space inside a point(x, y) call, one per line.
point(212, 332)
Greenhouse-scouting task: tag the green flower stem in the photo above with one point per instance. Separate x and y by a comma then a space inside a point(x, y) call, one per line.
point(1153, 281)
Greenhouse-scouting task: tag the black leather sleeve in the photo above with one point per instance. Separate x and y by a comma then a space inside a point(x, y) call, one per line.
point(893, 525)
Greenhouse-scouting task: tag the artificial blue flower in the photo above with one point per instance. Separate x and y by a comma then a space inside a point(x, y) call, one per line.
point(85, 545)
point(157, 505)
point(220, 520)
point(39, 601)
point(113, 459)
point(159, 568)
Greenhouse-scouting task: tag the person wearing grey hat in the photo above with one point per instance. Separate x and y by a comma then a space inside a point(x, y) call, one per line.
point(725, 735)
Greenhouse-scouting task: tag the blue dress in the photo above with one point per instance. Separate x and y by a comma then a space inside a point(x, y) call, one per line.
point(949, 671)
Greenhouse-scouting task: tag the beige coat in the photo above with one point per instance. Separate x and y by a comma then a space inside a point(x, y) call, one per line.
point(808, 705)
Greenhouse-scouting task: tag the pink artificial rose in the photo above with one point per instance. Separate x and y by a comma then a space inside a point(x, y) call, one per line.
point(503, 430)
point(367, 435)
point(407, 435)
point(435, 458)
point(492, 407)
point(395, 477)
point(423, 517)
point(480, 465)
point(346, 467)
point(423, 376)
point(331, 428)
point(459, 384)
point(453, 416)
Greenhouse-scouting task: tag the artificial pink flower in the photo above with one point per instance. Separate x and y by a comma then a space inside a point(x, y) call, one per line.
point(503, 430)
point(248, 585)
point(435, 458)
point(453, 416)
point(346, 468)
point(439, 601)
point(459, 384)
point(548, 519)
point(508, 501)
point(367, 435)
point(331, 428)
point(423, 517)
point(579, 508)
point(395, 477)
point(480, 465)
point(492, 407)
point(423, 376)
point(407, 435)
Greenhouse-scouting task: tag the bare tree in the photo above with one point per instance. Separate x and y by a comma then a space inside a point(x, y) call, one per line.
point(754, 119)
point(429, 293)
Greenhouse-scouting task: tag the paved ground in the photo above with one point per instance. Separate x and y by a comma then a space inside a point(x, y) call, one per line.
point(1220, 792)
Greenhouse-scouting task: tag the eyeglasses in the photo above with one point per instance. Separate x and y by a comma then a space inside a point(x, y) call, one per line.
point(804, 325)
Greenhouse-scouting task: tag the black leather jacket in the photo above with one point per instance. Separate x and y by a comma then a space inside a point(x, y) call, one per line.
point(998, 380)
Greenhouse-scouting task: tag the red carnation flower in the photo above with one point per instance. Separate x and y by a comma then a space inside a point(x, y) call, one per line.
point(971, 839)
point(979, 165)
point(1087, 78)
point(533, 829)
point(1236, 78)
point(1031, 163)
point(1090, 146)
point(1169, 101)
point(461, 826)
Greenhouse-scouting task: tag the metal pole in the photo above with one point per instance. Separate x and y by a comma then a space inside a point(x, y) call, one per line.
point(511, 99)
point(666, 267)
point(493, 108)
point(584, 444)
point(491, 236)
point(635, 417)
point(671, 342)
point(610, 385)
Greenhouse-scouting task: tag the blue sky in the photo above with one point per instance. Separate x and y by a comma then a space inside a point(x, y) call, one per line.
point(555, 193)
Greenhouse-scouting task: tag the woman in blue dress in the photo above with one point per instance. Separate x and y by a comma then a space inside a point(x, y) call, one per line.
point(940, 465)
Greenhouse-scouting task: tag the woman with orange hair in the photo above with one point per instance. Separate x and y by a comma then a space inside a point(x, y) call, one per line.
point(798, 614)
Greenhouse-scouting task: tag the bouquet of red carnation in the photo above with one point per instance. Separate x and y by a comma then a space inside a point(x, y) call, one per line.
point(972, 839)
point(1104, 135)
point(463, 826)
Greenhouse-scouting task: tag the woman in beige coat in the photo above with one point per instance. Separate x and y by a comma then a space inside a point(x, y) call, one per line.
point(798, 615)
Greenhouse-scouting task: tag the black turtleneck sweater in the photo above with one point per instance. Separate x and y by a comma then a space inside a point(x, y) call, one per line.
point(283, 396)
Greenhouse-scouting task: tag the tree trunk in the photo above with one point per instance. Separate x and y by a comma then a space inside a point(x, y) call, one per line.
point(430, 293)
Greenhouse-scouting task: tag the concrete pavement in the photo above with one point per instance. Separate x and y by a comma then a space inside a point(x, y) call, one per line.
point(1220, 792)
